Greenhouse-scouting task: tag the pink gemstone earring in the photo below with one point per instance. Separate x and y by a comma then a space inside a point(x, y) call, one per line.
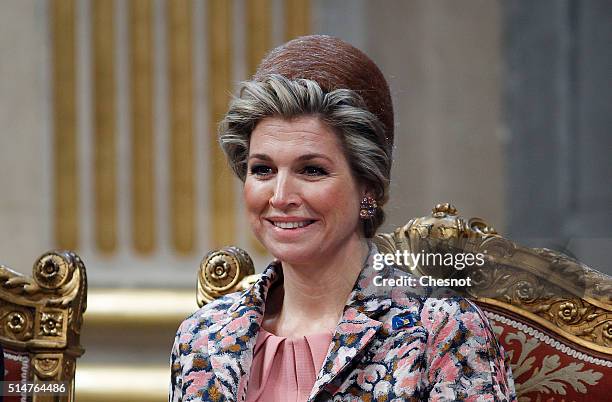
point(368, 207)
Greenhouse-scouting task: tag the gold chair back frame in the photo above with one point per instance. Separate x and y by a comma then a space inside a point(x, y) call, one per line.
point(41, 317)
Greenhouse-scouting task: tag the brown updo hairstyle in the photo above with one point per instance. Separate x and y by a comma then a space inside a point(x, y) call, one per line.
point(326, 77)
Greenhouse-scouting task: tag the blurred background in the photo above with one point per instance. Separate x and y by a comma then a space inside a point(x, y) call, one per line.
point(108, 111)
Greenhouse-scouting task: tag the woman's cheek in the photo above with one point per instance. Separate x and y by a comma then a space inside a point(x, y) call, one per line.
point(252, 202)
point(339, 195)
point(253, 196)
point(326, 199)
point(249, 190)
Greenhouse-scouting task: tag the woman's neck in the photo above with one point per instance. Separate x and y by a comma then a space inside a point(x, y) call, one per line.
point(313, 295)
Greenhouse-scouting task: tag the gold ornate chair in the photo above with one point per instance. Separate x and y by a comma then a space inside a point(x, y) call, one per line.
point(552, 314)
point(41, 322)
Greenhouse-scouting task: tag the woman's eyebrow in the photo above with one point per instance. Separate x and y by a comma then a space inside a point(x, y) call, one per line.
point(307, 157)
point(301, 158)
point(263, 157)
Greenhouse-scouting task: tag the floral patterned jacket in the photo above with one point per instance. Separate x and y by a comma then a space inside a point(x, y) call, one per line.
point(391, 344)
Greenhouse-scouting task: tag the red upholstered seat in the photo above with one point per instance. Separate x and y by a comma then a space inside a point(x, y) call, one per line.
point(17, 369)
point(547, 367)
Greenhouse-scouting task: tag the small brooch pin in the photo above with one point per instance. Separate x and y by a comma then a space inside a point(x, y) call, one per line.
point(403, 321)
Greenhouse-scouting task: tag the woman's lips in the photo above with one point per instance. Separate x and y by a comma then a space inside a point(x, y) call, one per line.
point(290, 225)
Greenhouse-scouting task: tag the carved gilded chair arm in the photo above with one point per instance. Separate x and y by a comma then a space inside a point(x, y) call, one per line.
point(224, 271)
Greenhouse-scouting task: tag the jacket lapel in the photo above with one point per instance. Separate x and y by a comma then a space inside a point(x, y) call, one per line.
point(353, 334)
point(356, 329)
point(231, 341)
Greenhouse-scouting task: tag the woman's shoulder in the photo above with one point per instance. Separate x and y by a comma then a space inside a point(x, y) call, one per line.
point(211, 312)
point(442, 310)
point(218, 310)
point(433, 311)
point(433, 305)
point(457, 320)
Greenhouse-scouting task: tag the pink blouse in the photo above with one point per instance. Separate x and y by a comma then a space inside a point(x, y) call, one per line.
point(285, 369)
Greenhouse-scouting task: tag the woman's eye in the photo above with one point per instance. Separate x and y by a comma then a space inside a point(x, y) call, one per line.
point(261, 170)
point(314, 171)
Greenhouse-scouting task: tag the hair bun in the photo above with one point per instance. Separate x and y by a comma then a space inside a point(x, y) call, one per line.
point(333, 64)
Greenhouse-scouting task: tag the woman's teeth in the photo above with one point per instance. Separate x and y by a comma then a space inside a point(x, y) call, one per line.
point(291, 225)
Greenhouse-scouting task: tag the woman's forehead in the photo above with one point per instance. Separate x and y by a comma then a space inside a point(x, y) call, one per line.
point(305, 132)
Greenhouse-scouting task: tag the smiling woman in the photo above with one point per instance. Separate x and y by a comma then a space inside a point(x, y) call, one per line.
point(311, 137)
point(297, 176)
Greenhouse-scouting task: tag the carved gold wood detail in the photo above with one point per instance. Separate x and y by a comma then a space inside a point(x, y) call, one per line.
point(51, 324)
point(17, 322)
point(42, 316)
point(547, 287)
point(222, 272)
point(543, 285)
point(48, 365)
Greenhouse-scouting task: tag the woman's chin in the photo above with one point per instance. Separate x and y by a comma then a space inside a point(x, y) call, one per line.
point(294, 256)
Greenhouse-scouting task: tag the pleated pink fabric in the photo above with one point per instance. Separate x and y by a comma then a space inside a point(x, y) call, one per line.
point(286, 369)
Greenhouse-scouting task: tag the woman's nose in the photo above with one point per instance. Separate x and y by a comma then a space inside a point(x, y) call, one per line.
point(285, 193)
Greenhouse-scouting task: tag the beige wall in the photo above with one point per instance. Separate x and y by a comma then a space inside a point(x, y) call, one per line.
point(443, 63)
point(25, 160)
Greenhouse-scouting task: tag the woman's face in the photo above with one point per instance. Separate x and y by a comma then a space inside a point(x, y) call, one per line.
point(301, 198)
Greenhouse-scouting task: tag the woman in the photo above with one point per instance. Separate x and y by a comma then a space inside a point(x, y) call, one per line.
point(311, 137)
